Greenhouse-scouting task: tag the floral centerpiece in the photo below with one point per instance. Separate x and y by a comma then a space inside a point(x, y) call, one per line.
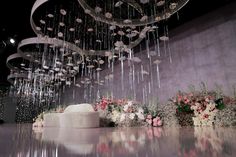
point(124, 112)
point(198, 108)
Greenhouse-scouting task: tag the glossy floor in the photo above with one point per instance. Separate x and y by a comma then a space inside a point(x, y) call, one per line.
point(21, 141)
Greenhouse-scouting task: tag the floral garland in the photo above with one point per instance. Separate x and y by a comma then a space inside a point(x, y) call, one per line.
point(127, 113)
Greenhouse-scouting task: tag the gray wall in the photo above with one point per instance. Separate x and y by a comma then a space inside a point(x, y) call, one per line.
point(203, 50)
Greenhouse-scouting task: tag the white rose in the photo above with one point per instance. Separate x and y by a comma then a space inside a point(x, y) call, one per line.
point(140, 110)
point(140, 116)
point(131, 116)
point(122, 117)
point(126, 107)
point(130, 103)
point(115, 116)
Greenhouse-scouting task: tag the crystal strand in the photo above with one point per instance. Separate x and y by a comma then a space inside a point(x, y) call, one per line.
point(138, 77)
point(158, 77)
point(158, 44)
point(151, 72)
point(149, 87)
point(147, 47)
point(134, 87)
point(122, 74)
point(168, 45)
point(142, 72)
point(143, 96)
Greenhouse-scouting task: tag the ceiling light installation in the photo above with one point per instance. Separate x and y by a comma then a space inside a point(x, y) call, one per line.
point(77, 39)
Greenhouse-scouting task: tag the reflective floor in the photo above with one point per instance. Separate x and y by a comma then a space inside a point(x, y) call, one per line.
point(21, 141)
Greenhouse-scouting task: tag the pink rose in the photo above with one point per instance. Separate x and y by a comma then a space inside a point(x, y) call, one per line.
point(186, 101)
point(157, 121)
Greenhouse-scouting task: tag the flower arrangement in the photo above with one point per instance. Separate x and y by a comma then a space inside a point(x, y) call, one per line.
point(124, 112)
point(204, 113)
point(152, 117)
point(200, 107)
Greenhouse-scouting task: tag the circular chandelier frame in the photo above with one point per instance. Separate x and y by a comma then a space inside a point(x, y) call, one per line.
point(135, 22)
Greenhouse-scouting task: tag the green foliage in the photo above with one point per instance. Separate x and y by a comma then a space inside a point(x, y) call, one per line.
point(150, 109)
point(220, 104)
point(184, 108)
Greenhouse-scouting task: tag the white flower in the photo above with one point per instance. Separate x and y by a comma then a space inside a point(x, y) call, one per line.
point(140, 116)
point(130, 103)
point(140, 110)
point(115, 116)
point(126, 107)
point(131, 116)
point(122, 117)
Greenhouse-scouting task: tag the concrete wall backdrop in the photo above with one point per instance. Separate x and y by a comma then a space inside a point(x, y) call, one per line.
point(203, 50)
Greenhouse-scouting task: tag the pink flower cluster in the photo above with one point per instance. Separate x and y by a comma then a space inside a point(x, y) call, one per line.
point(153, 121)
point(104, 102)
point(182, 98)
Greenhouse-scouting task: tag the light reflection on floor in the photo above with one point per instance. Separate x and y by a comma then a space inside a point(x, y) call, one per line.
point(20, 141)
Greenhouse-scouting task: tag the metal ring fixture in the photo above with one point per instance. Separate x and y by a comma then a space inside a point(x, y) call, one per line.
point(59, 42)
point(11, 77)
point(50, 41)
point(135, 22)
point(12, 57)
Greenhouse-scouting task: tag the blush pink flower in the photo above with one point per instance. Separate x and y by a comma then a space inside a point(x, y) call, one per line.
point(186, 101)
point(157, 121)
